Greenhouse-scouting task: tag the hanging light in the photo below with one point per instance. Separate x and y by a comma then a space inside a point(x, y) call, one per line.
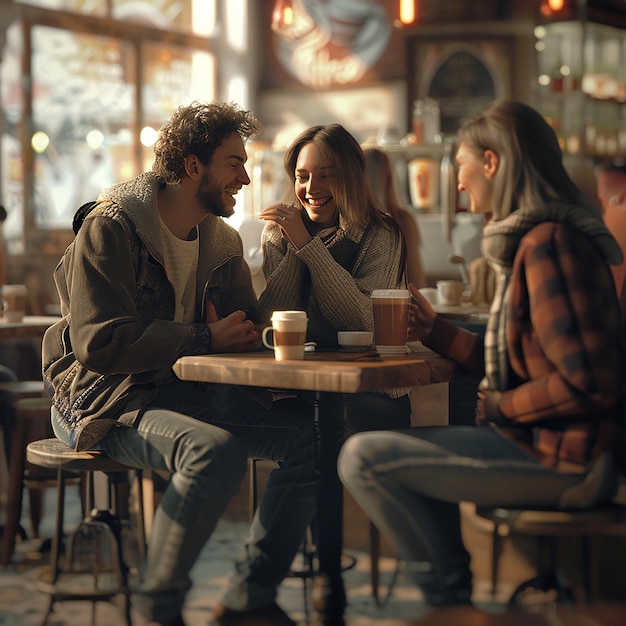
point(407, 11)
point(563, 9)
point(291, 20)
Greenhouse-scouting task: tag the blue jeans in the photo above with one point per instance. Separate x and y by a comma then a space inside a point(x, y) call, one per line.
point(410, 483)
point(202, 435)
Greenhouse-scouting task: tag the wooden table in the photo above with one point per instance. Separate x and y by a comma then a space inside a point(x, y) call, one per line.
point(31, 326)
point(330, 376)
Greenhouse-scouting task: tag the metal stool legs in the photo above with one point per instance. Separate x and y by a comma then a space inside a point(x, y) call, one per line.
point(92, 566)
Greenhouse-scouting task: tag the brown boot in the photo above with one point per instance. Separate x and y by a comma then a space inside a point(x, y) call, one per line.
point(271, 615)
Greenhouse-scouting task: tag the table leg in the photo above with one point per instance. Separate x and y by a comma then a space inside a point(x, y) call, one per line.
point(329, 412)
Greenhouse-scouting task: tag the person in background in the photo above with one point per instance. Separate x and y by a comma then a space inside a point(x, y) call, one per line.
point(7, 418)
point(154, 273)
point(611, 188)
point(379, 174)
point(327, 250)
point(549, 419)
point(3, 247)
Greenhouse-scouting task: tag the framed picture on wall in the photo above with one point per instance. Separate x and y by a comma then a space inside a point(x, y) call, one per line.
point(462, 74)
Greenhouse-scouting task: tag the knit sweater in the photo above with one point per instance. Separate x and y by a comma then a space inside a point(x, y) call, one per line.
point(331, 277)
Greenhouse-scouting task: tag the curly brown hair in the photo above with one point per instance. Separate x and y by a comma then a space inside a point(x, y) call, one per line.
point(198, 129)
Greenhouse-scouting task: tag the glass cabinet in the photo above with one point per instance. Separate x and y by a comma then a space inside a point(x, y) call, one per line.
point(581, 85)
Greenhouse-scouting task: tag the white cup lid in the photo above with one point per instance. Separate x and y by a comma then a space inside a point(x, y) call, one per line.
point(288, 315)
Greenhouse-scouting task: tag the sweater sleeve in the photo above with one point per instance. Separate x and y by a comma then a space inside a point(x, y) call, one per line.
point(344, 298)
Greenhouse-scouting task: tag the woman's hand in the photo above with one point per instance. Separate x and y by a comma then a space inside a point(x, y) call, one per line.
point(289, 218)
point(488, 409)
point(421, 316)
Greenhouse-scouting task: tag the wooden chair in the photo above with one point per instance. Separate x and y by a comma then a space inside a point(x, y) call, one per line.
point(548, 526)
point(94, 551)
point(32, 421)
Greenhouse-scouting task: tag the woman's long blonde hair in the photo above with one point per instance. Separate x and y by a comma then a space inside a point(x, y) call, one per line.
point(530, 170)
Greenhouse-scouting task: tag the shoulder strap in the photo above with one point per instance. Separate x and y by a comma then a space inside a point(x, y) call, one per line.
point(81, 214)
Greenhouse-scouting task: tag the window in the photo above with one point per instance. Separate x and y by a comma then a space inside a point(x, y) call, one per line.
point(83, 92)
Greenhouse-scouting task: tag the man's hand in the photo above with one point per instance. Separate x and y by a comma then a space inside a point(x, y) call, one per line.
point(233, 333)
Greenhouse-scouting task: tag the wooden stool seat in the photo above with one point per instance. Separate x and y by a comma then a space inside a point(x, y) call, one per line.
point(94, 550)
point(548, 526)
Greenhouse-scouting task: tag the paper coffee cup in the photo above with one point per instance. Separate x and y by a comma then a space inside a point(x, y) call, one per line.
point(390, 308)
point(288, 332)
point(13, 302)
point(424, 183)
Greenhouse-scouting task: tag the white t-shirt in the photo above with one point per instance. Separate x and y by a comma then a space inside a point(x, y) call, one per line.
point(181, 266)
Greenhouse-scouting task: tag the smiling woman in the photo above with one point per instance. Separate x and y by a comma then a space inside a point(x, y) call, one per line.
point(326, 252)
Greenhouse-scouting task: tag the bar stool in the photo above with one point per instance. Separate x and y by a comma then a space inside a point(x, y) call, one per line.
point(94, 557)
point(308, 552)
point(32, 421)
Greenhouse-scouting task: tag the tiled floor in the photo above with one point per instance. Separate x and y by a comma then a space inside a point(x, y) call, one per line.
point(22, 605)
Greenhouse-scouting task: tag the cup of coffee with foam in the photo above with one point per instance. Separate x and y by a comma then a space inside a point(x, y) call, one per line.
point(391, 320)
point(288, 331)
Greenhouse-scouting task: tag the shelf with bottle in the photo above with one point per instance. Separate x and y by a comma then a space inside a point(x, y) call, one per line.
point(581, 85)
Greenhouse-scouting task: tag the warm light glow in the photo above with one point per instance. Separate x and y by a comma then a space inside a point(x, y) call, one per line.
point(148, 136)
point(291, 20)
point(94, 139)
point(556, 5)
point(236, 28)
point(40, 142)
point(407, 11)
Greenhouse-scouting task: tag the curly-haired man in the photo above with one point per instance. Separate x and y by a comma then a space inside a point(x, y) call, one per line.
point(153, 274)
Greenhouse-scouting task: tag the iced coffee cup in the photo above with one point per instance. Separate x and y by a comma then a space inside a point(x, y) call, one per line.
point(391, 319)
point(288, 331)
point(13, 302)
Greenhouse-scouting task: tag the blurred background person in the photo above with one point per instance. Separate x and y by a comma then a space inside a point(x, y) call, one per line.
point(3, 247)
point(379, 175)
point(611, 189)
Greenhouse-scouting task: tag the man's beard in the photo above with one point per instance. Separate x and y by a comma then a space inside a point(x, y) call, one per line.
point(212, 200)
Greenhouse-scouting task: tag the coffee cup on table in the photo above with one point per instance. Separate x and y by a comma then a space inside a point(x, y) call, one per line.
point(288, 331)
point(391, 320)
point(450, 292)
point(13, 302)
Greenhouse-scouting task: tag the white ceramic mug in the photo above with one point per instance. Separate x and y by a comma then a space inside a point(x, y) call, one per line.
point(288, 333)
point(13, 302)
point(450, 292)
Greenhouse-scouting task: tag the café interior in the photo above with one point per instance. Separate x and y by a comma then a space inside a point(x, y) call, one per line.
point(86, 84)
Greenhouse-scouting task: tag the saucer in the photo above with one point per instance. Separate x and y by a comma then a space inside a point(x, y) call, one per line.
point(356, 348)
point(392, 349)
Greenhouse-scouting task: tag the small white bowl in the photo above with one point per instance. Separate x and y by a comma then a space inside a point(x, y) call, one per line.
point(355, 339)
